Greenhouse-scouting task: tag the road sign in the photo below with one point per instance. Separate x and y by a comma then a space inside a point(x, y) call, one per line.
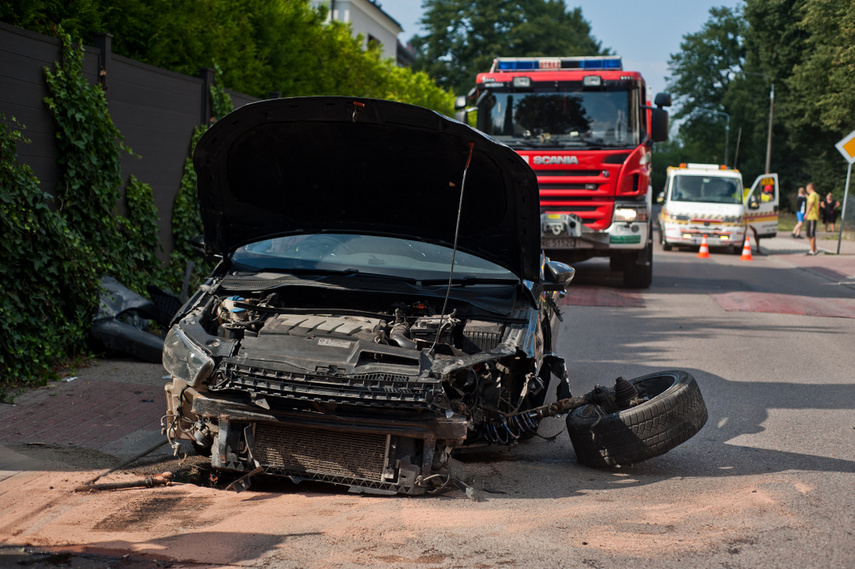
point(846, 146)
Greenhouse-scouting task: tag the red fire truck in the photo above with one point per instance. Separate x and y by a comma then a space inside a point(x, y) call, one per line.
point(585, 126)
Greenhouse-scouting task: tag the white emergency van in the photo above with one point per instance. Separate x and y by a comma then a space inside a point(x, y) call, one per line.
point(708, 199)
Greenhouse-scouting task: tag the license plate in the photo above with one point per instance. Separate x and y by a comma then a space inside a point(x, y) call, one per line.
point(558, 243)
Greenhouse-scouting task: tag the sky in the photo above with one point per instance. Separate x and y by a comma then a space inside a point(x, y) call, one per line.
point(644, 34)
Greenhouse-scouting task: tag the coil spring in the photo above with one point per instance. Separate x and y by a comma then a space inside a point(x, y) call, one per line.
point(511, 427)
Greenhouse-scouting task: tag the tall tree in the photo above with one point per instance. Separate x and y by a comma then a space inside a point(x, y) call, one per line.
point(701, 74)
point(775, 44)
point(707, 61)
point(823, 109)
point(464, 36)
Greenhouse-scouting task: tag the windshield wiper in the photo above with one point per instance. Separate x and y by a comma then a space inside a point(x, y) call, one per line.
point(517, 142)
point(325, 273)
point(468, 281)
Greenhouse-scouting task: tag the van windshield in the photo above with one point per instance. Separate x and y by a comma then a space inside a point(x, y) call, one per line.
point(706, 189)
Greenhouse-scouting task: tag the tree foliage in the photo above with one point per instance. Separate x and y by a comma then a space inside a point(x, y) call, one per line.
point(261, 46)
point(806, 49)
point(463, 37)
point(54, 258)
point(707, 61)
point(702, 72)
point(824, 76)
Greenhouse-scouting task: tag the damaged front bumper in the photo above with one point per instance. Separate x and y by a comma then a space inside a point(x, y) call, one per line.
point(366, 454)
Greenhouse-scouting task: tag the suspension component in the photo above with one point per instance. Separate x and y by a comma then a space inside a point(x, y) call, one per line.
point(509, 428)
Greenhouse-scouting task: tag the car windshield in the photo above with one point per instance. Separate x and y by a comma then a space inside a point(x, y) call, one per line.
point(560, 117)
point(365, 254)
point(706, 189)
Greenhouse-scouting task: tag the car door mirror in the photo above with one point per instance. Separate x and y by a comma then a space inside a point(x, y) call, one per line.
point(659, 125)
point(557, 276)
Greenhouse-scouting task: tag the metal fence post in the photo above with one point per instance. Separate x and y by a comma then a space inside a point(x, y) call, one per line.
point(104, 43)
point(207, 75)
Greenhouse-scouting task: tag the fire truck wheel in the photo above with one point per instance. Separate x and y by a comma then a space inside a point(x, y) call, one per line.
point(636, 275)
point(672, 413)
point(617, 262)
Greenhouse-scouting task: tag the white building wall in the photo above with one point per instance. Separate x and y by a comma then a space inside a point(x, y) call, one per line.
point(368, 19)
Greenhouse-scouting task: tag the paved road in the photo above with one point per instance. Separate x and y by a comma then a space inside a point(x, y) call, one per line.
point(767, 483)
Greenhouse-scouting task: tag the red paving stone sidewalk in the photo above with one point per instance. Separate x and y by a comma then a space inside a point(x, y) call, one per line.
point(89, 414)
point(785, 304)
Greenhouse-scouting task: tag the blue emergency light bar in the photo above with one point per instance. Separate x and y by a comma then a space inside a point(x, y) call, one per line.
point(612, 62)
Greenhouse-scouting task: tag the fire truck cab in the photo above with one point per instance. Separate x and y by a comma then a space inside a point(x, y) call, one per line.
point(585, 126)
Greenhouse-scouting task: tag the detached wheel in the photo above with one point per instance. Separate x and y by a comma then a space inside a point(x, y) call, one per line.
point(673, 412)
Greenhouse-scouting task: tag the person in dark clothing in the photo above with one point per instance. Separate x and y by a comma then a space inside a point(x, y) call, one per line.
point(801, 206)
point(829, 211)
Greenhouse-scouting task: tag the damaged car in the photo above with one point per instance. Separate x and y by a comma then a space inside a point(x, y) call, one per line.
point(381, 301)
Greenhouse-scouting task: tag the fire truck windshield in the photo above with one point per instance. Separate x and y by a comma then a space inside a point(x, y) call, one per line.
point(561, 118)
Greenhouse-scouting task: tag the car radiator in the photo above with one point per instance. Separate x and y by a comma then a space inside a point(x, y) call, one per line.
point(322, 455)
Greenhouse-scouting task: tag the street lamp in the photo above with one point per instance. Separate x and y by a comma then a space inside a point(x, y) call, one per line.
point(726, 129)
point(771, 112)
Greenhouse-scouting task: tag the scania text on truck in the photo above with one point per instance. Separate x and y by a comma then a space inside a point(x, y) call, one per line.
point(585, 126)
point(709, 199)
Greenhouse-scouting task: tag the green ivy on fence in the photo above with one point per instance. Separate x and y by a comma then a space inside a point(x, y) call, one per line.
point(49, 280)
point(186, 224)
point(90, 149)
point(186, 218)
point(53, 259)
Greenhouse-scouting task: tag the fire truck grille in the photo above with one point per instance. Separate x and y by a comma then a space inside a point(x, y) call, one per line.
point(318, 454)
point(569, 173)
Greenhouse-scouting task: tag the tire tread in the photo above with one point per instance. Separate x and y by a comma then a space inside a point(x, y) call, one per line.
point(642, 432)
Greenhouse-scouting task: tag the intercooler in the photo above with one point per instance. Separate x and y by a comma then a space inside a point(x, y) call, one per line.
point(323, 455)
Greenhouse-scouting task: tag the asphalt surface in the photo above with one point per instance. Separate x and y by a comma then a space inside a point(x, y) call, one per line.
point(101, 416)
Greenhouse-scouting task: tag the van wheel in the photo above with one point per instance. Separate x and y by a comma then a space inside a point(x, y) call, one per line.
point(673, 412)
point(665, 245)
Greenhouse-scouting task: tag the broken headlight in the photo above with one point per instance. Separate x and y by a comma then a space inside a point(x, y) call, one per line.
point(185, 359)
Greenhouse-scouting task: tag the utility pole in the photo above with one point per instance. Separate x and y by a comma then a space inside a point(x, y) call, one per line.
point(771, 112)
point(769, 136)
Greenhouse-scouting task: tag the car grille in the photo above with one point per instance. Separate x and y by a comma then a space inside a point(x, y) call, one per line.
point(375, 390)
point(322, 455)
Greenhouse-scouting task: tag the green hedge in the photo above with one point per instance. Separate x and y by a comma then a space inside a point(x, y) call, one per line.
point(53, 257)
point(50, 281)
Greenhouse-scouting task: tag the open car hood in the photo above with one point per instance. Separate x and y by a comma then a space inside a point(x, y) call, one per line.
point(350, 165)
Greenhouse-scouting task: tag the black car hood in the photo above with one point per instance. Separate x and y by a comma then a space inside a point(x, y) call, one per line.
point(350, 165)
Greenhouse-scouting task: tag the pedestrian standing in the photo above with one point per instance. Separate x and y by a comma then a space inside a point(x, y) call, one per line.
point(829, 211)
point(811, 217)
point(801, 205)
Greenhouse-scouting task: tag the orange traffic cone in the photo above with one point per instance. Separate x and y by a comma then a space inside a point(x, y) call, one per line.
point(704, 251)
point(746, 249)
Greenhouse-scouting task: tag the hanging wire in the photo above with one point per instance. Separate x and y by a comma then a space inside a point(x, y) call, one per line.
point(454, 248)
